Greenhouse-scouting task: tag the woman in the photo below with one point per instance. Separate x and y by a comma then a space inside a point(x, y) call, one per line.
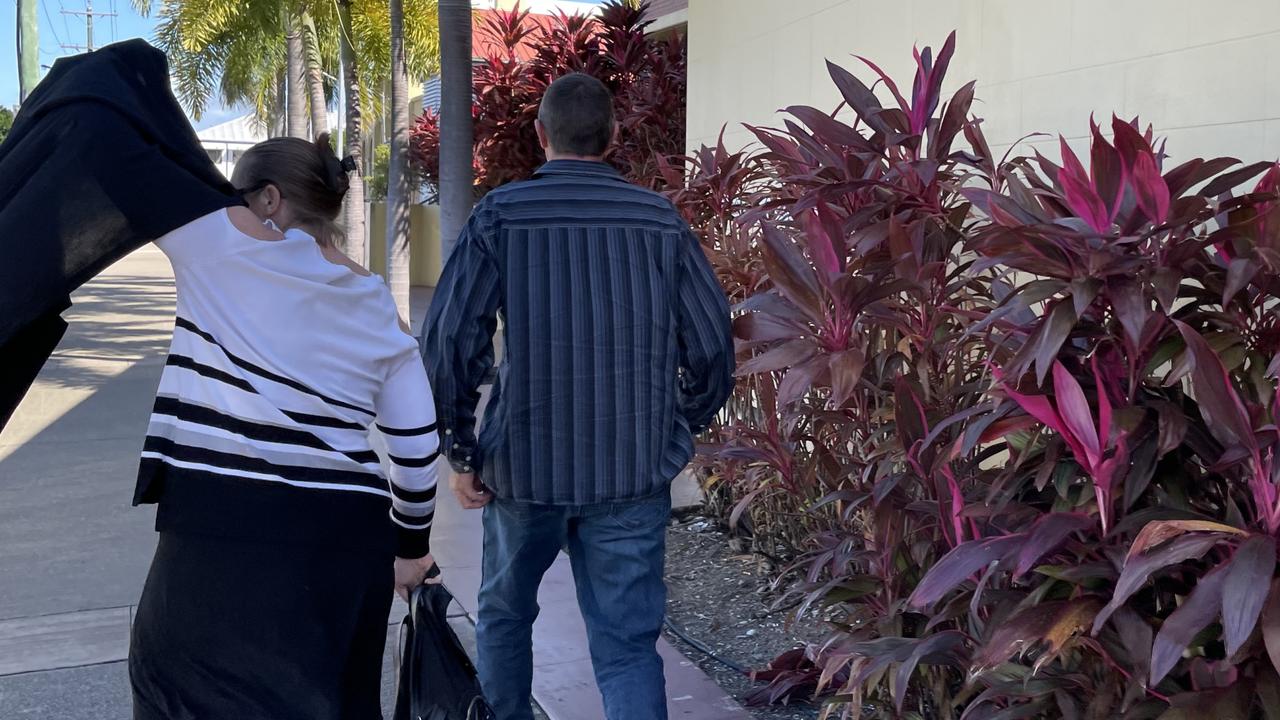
point(280, 539)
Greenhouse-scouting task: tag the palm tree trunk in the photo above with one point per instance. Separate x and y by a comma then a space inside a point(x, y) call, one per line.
point(353, 213)
point(398, 200)
point(28, 44)
point(315, 77)
point(456, 139)
point(295, 82)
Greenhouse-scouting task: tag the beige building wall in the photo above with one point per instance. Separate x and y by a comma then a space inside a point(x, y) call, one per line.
point(1206, 74)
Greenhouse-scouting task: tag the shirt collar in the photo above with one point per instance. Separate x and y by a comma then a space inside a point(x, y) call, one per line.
point(590, 168)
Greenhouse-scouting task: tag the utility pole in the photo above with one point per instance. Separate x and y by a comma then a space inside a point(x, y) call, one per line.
point(28, 44)
point(88, 15)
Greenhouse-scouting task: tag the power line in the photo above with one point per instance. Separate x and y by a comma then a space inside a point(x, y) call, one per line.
point(89, 14)
point(49, 19)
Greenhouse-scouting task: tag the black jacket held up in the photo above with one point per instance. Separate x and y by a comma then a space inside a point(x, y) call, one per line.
point(100, 160)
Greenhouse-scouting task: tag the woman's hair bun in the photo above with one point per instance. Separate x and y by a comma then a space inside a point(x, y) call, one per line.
point(335, 175)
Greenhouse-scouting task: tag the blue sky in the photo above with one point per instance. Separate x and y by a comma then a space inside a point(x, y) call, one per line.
point(57, 30)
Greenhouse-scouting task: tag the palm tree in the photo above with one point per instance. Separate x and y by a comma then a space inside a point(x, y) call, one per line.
point(353, 210)
point(296, 78)
point(456, 179)
point(398, 188)
point(237, 48)
point(318, 98)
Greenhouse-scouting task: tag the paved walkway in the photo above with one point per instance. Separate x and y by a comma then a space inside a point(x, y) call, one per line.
point(74, 554)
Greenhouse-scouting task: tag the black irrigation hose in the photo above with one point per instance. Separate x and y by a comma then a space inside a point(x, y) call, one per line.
point(703, 648)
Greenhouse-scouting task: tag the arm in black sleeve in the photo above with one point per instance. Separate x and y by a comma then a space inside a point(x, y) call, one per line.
point(706, 338)
point(458, 347)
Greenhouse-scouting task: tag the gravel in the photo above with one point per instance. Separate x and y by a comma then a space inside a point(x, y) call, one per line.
point(721, 597)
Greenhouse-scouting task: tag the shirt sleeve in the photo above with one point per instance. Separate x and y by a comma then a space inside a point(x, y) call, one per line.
point(458, 347)
point(406, 417)
point(706, 338)
point(204, 239)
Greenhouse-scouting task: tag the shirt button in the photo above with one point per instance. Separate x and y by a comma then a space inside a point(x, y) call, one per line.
point(468, 458)
point(448, 432)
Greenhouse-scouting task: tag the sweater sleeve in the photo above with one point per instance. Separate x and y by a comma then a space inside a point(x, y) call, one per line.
point(406, 418)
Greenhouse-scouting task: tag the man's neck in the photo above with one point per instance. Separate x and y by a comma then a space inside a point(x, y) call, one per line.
point(552, 155)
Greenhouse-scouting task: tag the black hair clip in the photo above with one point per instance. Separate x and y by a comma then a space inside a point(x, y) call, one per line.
point(348, 164)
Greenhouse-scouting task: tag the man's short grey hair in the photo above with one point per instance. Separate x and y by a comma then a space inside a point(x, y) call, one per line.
point(577, 113)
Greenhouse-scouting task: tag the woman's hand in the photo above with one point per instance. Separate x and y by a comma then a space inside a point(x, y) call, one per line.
point(412, 573)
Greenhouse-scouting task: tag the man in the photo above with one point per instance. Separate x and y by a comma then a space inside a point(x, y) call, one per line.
point(618, 350)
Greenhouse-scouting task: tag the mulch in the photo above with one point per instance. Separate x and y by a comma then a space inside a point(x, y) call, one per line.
point(721, 596)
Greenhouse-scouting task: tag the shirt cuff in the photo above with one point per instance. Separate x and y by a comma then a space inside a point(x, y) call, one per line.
point(412, 544)
point(462, 458)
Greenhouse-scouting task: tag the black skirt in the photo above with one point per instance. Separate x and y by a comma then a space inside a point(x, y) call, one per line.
point(254, 630)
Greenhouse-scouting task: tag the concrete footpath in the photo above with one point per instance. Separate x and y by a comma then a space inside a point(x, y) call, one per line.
point(74, 554)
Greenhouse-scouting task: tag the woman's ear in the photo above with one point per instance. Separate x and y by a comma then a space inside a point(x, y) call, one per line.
point(270, 199)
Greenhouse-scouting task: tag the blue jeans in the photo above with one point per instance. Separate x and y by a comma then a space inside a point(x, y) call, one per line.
point(617, 551)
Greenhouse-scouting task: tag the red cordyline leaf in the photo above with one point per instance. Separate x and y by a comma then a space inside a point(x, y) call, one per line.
point(822, 245)
point(1078, 191)
point(1106, 172)
point(1246, 585)
point(1143, 171)
point(1073, 408)
point(1049, 532)
point(1197, 539)
point(1200, 608)
point(960, 564)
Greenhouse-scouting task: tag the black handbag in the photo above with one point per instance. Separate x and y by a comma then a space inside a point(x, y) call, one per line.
point(437, 679)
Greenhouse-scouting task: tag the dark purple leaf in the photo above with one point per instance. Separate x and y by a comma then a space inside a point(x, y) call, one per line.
point(1135, 637)
point(1138, 569)
point(1194, 171)
point(959, 565)
point(1149, 188)
point(1198, 610)
point(1246, 585)
point(826, 127)
point(743, 504)
point(800, 379)
point(1142, 467)
point(941, 647)
point(1219, 403)
point(1165, 280)
point(790, 271)
point(859, 97)
point(1271, 624)
point(1239, 274)
point(1079, 192)
point(1048, 533)
point(909, 413)
point(760, 328)
point(1226, 182)
point(1107, 172)
point(1052, 334)
point(846, 370)
point(1173, 426)
point(1073, 408)
point(1131, 308)
point(783, 356)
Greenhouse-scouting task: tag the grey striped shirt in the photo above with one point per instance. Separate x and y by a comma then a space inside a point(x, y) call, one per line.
point(617, 340)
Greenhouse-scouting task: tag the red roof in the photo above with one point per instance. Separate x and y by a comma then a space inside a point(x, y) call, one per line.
point(483, 44)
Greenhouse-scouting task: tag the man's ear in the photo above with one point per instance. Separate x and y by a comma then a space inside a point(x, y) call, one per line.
point(617, 133)
point(542, 134)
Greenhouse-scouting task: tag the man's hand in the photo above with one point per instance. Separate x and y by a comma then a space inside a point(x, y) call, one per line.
point(470, 491)
point(412, 573)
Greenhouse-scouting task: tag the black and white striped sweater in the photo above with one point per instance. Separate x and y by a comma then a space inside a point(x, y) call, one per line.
point(281, 365)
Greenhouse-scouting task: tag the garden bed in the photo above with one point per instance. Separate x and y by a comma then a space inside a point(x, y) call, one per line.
point(721, 597)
